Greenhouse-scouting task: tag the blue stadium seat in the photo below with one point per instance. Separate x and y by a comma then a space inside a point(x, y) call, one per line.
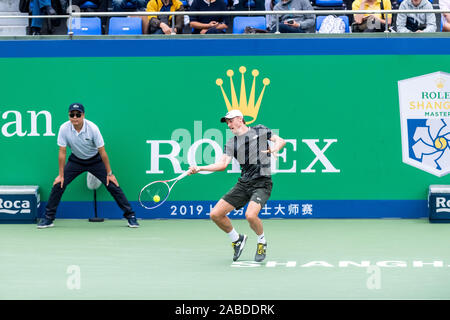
point(88, 5)
point(239, 23)
point(320, 19)
point(86, 26)
point(125, 26)
point(130, 5)
point(249, 4)
point(329, 3)
point(347, 23)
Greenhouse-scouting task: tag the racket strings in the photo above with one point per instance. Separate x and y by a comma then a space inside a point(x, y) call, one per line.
point(154, 194)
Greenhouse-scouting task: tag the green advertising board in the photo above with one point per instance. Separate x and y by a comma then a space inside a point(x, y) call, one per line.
point(339, 114)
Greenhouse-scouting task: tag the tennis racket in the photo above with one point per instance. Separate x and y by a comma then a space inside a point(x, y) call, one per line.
point(156, 193)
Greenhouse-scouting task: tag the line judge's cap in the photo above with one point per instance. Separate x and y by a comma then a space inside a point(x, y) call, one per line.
point(231, 114)
point(76, 107)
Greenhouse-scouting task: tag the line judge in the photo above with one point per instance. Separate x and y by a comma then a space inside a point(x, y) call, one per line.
point(88, 154)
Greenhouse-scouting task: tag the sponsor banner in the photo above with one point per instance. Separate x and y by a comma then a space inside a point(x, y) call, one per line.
point(14, 206)
point(439, 203)
point(282, 209)
point(281, 45)
point(425, 119)
point(345, 146)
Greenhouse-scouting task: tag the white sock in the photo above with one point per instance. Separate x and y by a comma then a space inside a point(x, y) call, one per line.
point(233, 235)
point(261, 238)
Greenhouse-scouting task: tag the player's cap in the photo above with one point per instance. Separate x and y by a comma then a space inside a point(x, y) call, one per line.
point(76, 107)
point(231, 114)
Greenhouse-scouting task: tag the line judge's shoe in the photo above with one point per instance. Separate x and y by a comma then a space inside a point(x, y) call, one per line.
point(260, 252)
point(238, 246)
point(45, 223)
point(132, 222)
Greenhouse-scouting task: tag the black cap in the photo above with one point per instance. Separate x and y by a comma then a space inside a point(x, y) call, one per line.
point(76, 107)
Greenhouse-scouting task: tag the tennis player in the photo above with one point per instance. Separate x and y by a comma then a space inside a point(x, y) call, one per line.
point(88, 154)
point(250, 147)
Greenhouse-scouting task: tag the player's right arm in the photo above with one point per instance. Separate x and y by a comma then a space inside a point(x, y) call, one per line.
point(61, 162)
point(220, 165)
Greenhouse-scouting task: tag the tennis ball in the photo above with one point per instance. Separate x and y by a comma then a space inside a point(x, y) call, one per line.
point(156, 198)
point(440, 143)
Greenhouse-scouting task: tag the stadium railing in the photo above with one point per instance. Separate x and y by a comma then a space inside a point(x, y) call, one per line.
point(76, 14)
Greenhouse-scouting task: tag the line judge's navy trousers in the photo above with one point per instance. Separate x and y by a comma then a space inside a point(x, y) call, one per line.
point(73, 168)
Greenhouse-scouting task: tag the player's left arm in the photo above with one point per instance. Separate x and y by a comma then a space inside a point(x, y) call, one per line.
point(109, 175)
point(278, 144)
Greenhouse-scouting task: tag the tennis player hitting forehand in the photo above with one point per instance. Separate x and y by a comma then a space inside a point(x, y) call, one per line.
point(250, 147)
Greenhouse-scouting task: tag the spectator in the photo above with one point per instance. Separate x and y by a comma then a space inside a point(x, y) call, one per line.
point(445, 5)
point(40, 7)
point(121, 5)
point(416, 22)
point(290, 23)
point(163, 24)
point(209, 24)
point(371, 22)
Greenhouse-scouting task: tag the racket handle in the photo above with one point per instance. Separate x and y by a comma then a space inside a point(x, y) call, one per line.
point(184, 174)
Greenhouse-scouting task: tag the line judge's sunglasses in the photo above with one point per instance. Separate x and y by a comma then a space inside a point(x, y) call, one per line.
point(75, 114)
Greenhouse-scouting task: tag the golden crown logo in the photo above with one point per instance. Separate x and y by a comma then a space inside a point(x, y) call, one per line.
point(248, 107)
point(440, 83)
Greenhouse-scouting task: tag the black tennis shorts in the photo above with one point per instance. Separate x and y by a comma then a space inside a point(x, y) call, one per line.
point(257, 190)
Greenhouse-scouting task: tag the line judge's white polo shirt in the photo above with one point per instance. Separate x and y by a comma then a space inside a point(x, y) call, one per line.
point(84, 144)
